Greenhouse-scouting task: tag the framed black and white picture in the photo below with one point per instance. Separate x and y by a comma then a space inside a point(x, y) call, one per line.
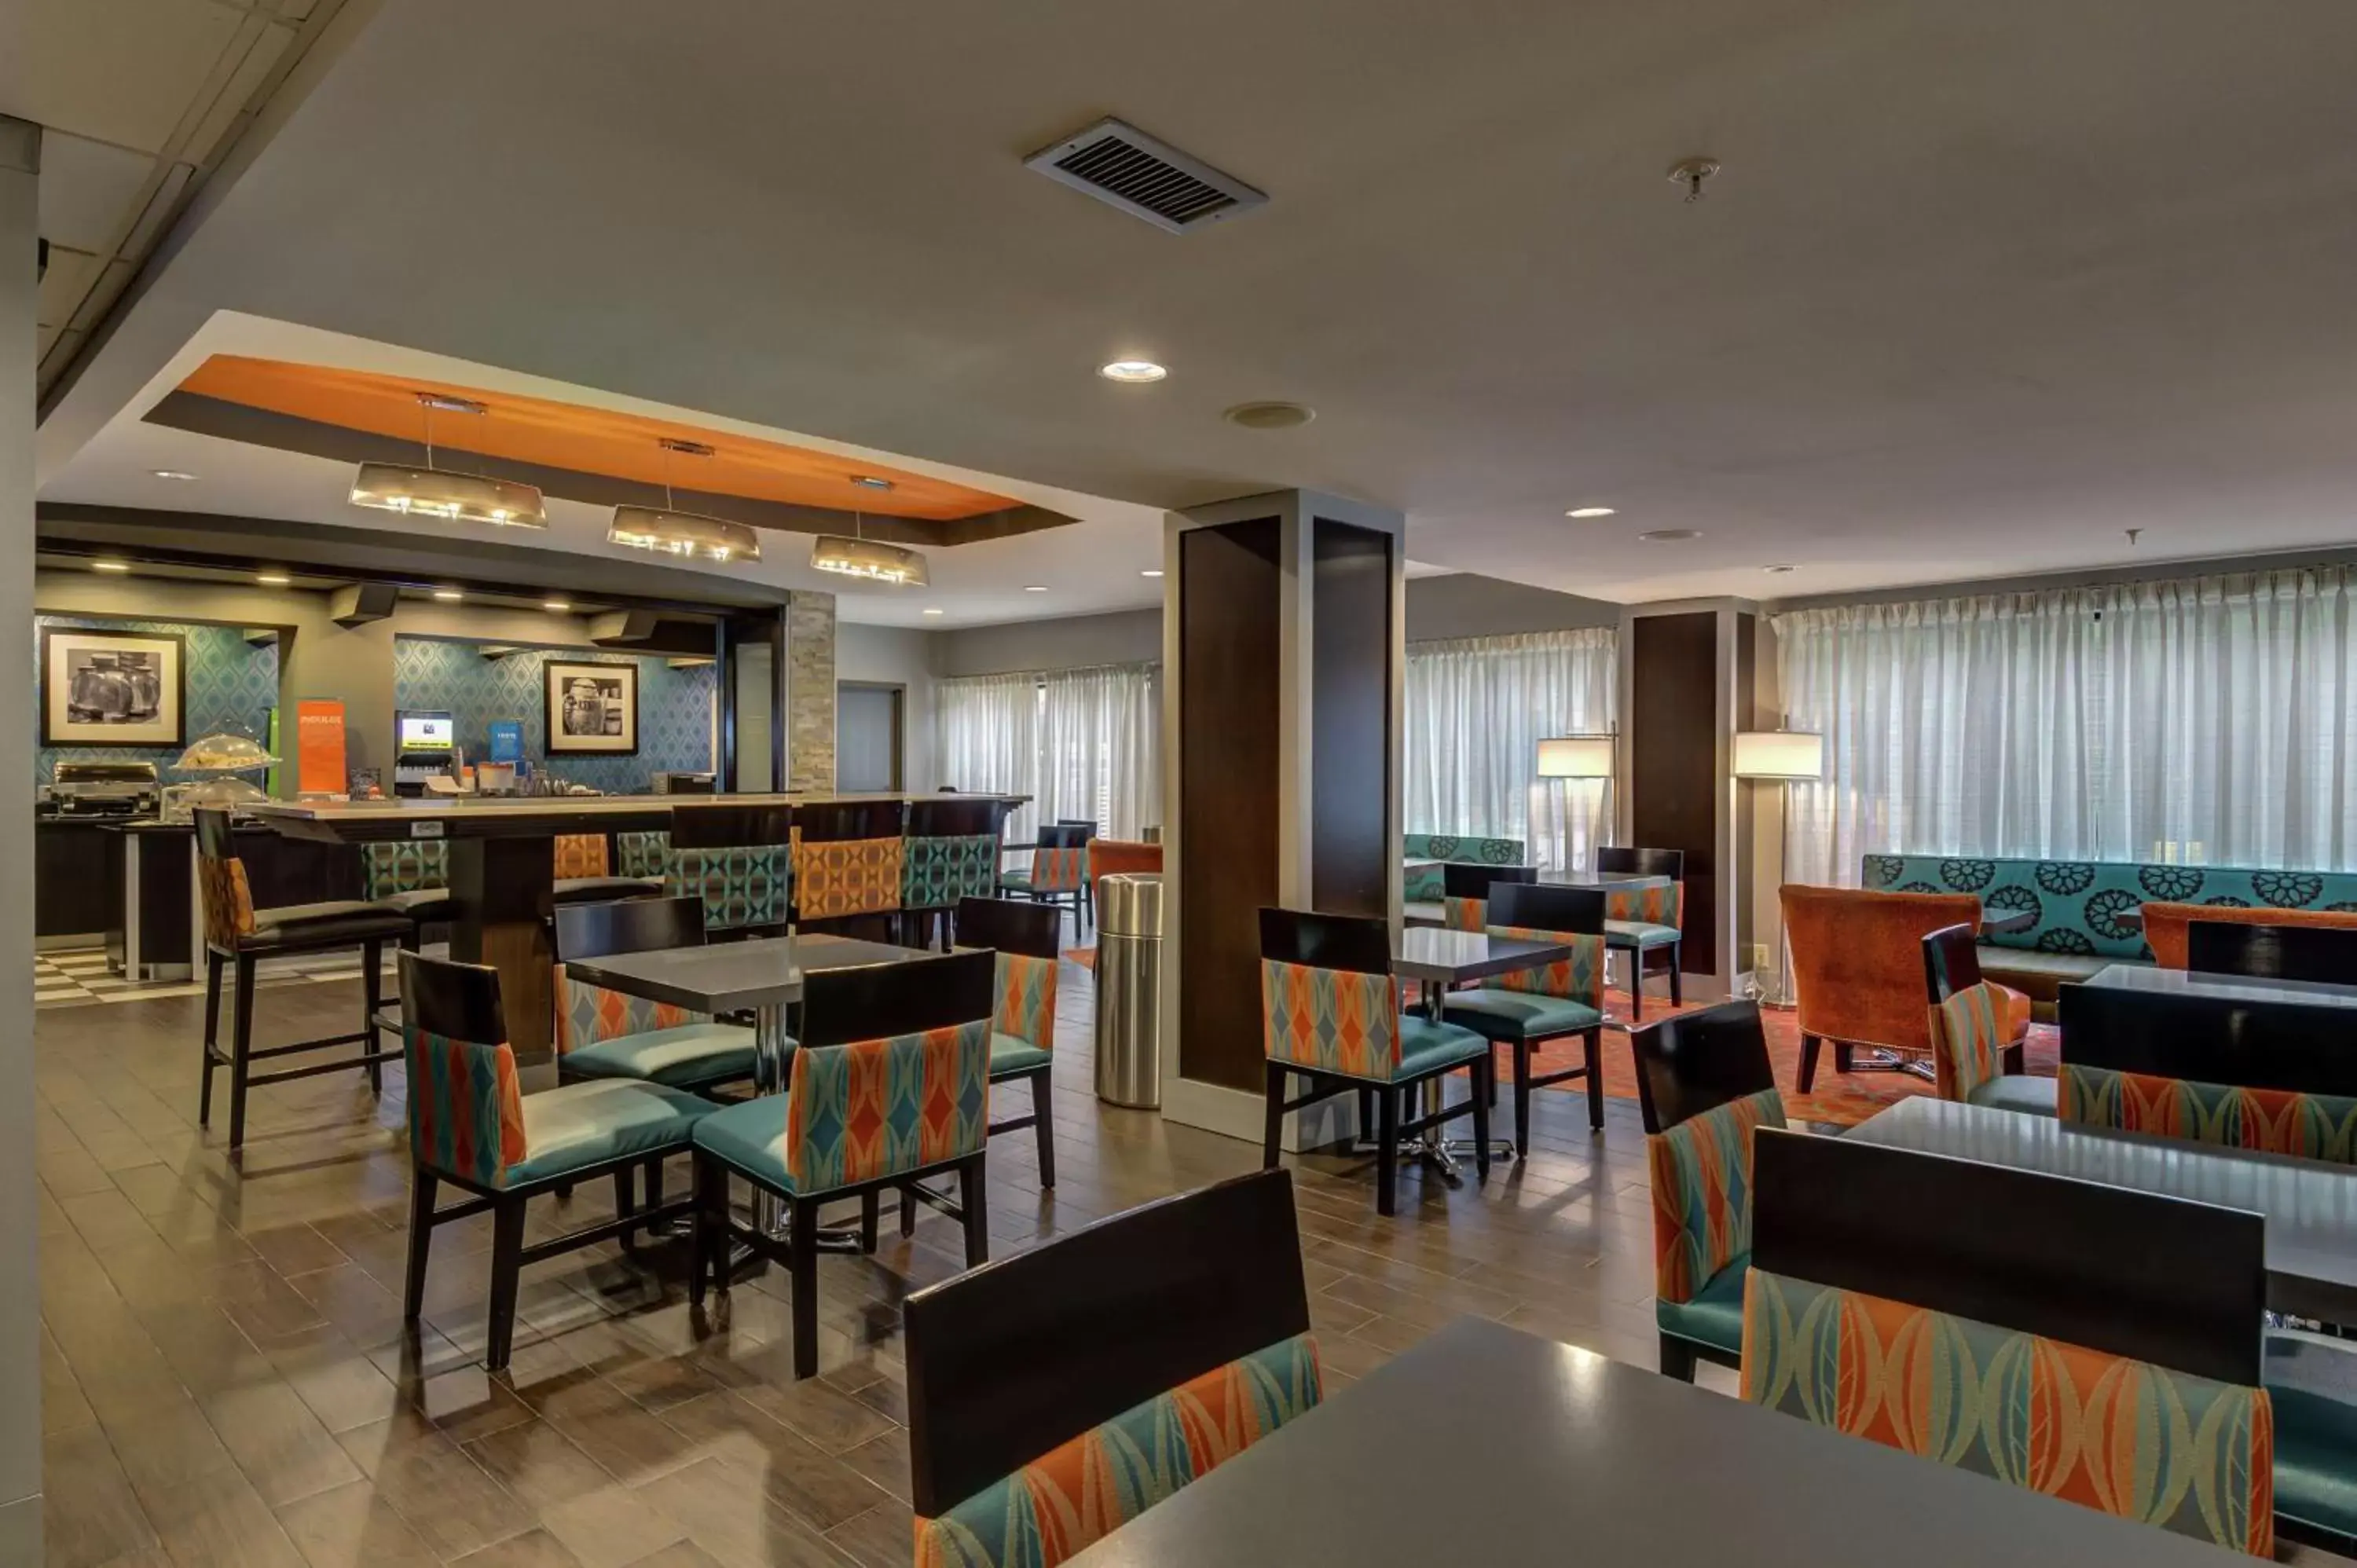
point(592, 709)
point(113, 688)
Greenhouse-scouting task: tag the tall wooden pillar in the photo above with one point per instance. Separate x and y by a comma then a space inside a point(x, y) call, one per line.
point(1282, 650)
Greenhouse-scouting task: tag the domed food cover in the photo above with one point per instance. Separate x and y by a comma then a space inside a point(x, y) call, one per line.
point(225, 753)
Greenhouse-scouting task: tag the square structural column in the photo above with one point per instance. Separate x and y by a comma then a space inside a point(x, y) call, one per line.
point(1284, 648)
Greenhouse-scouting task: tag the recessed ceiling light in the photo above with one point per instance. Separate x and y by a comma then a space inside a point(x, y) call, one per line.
point(110, 566)
point(1132, 371)
point(1779, 571)
point(933, 611)
point(449, 595)
point(272, 579)
point(1590, 511)
point(871, 481)
point(172, 473)
point(1151, 572)
point(555, 605)
point(1034, 587)
point(1671, 535)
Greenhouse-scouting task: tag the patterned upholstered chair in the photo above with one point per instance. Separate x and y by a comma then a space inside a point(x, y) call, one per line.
point(2280, 1080)
point(1704, 1083)
point(1023, 1025)
point(238, 936)
point(1331, 1014)
point(605, 1033)
point(1524, 1010)
point(1465, 892)
point(848, 864)
point(889, 1086)
point(584, 874)
point(1154, 1346)
point(1059, 868)
point(413, 876)
point(1642, 921)
point(2319, 955)
point(738, 859)
point(641, 853)
point(471, 1126)
point(952, 854)
point(2004, 1347)
point(1977, 1029)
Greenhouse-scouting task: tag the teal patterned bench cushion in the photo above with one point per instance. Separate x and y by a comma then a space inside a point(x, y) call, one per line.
point(1427, 887)
point(2078, 902)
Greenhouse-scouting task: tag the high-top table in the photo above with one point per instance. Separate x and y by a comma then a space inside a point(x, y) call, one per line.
point(502, 868)
point(1486, 1445)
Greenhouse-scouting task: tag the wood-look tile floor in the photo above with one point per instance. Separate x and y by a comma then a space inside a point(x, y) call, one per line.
point(227, 1380)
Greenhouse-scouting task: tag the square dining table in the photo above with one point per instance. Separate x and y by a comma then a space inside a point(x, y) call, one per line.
point(1437, 960)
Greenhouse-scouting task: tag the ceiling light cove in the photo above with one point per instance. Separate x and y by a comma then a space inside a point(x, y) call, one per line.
point(1592, 511)
point(1133, 373)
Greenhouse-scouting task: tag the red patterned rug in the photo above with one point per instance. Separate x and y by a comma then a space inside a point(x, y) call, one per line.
point(1840, 1100)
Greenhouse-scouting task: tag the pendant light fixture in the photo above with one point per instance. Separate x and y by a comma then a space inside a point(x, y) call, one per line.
point(676, 532)
point(430, 491)
point(858, 556)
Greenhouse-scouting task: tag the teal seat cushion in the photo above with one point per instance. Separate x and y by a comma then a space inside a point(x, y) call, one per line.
point(1518, 1014)
point(1426, 1045)
point(580, 1124)
point(1009, 1056)
point(2017, 1092)
point(1714, 1316)
point(1018, 876)
point(2312, 1383)
point(689, 1055)
point(1638, 934)
point(749, 1137)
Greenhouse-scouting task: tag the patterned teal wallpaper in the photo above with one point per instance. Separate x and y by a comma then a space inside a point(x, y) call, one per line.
point(674, 707)
point(233, 685)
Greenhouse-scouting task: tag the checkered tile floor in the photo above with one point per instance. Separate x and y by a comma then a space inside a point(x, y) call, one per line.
point(74, 977)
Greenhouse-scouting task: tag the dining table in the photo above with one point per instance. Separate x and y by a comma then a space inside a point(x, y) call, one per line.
point(2309, 1207)
point(1484, 1443)
point(2198, 985)
point(1436, 960)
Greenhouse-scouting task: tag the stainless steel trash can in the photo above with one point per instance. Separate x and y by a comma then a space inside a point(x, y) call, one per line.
point(1129, 990)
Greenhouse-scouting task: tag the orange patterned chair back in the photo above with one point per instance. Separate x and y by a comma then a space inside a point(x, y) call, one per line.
point(222, 887)
point(580, 854)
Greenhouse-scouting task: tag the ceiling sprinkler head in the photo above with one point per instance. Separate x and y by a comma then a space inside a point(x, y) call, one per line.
point(1691, 173)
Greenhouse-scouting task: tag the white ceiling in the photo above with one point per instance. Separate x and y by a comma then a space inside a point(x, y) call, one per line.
point(1980, 288)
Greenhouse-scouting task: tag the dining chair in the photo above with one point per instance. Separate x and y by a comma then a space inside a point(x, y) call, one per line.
point(1705, 1082)
point(1331, 1014)
point(1152, 1347)
point(1465, 892)
point(1978, 1028)
point(2168, 925)
point(1023, 1025)
point(2094, 1343)
point(471, 1126)
point(2273, 1077)
point(607, 1034)
point(1059, 868)
point(848, 865)
point(1858, 970)
point(1642, 921)
point(584, 868)
point(889, 1086)
point(237, 937)
point(2323, 955)
point(1529, 1008)
point(738, 859)
point(952, 853)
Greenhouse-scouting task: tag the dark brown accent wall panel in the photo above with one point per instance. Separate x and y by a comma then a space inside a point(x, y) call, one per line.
point(1230, 583)
point(1351, 852)
point(1674, 760)
point(1745, 717)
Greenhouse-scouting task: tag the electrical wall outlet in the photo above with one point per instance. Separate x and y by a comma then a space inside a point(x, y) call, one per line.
point(1760, 958)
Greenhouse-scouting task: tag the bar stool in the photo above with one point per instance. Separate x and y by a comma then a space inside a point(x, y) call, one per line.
point(471, 1125)
point(582, 876)
point(1642, 921)
point(237, 933)
point(1059, 868)
point(952, 854)
point(738, 859)
point(849, 861)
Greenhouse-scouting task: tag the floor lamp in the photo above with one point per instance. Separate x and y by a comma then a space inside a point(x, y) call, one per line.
point(1581, 757)
point(1779, 756)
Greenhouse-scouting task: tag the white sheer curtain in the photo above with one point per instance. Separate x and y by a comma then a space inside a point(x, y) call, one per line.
point(1100, 747)
point(2212, 720)
point(990, 739)
point(1476, 711)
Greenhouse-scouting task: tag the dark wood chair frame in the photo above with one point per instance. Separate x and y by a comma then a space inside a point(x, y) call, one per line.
point(1362, 945)
point(462, 1001)
point(948, 817)
point(1063, 835)
point(839, 1008)
point(1951, 962)
point(840, 821)
point(729, 824)
point(1567, 911)
point(1621, 860)
point(2323, 955)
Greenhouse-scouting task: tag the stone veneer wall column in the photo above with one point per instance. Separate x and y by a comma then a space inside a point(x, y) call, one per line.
point(810, 691)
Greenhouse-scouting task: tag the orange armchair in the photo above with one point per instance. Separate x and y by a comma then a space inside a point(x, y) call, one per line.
point(2165, 924)
point(1858, 964)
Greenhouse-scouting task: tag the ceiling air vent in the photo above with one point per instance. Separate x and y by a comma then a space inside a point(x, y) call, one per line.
point(1123, 166)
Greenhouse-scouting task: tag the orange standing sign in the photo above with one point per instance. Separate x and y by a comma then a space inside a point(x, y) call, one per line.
point(320, 748)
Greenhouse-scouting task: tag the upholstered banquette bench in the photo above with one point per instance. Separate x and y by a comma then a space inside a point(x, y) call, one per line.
point(1425, 886)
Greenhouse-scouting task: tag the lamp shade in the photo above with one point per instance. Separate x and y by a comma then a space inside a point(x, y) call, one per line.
point(1576, 756)
point(682, 534)
point(437, 492)
point(1779, 754)
point(865, 558)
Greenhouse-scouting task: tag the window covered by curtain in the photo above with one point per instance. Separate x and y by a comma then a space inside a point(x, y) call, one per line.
point(989, 740)
point(1086, 744)
point(1476, 711)
point(2212, 720)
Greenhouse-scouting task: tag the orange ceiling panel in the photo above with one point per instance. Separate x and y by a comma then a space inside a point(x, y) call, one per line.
point(584, 440)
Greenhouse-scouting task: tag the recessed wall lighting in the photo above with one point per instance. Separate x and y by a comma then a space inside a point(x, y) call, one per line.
point(181, 474)
point(1671, 535)
point(272, 579)
point(1151, 572)
point(110, 566)
point(449, 595)
point(1779, 570)
point(1034, 587)
point(1132, 371)
point(932, 612)
point(559, 605)
point(1592, 511)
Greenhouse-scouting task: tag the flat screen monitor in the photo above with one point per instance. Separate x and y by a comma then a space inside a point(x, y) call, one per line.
point(426, 732)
